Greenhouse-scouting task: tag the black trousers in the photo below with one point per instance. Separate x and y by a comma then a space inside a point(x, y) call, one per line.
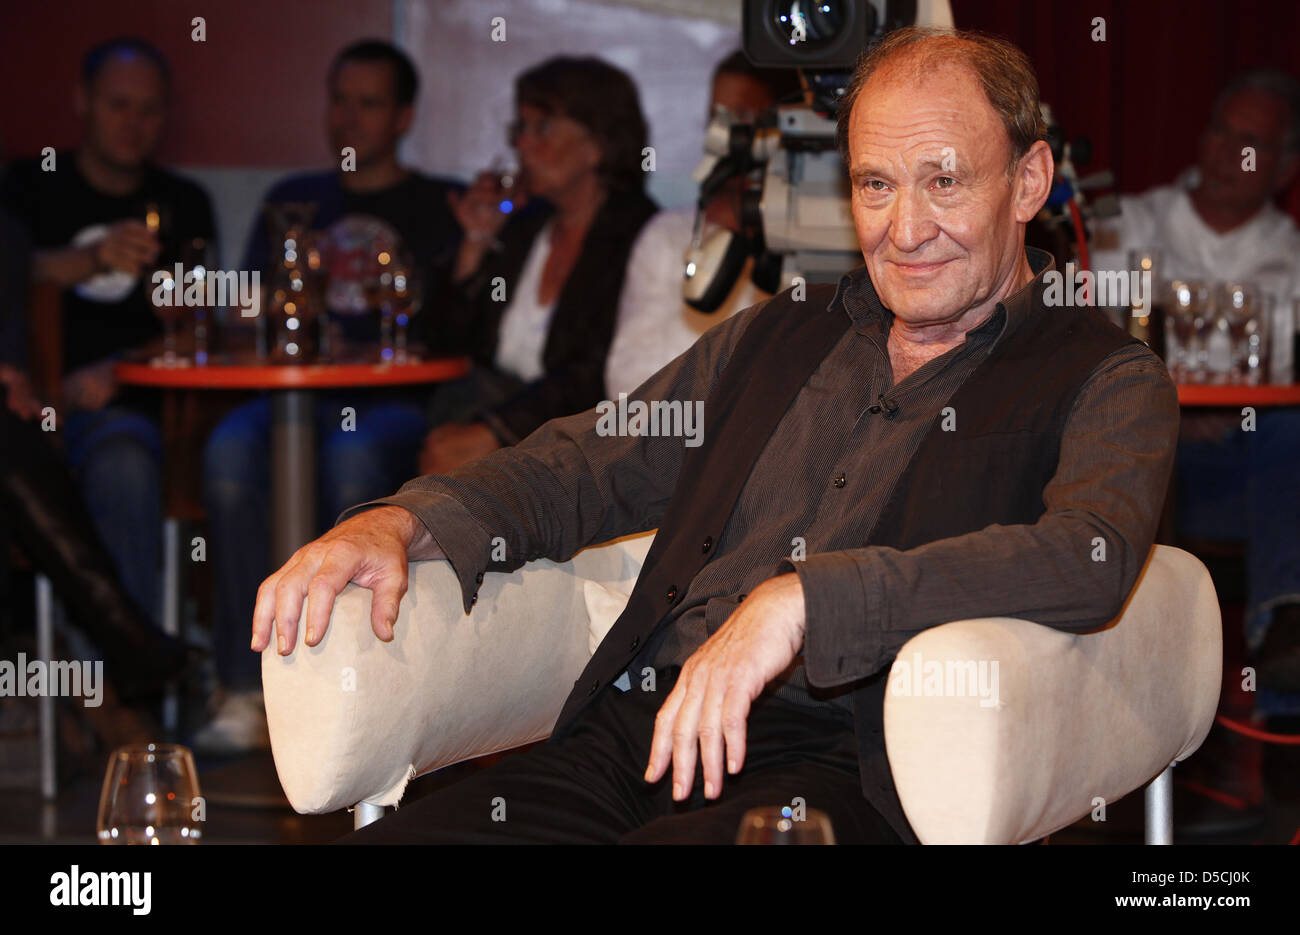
point(588, 787)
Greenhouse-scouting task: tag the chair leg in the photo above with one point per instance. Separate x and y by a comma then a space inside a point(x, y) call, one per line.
point(366, 814)
point(1159, 795)
point(171, 612)
point(45, 652)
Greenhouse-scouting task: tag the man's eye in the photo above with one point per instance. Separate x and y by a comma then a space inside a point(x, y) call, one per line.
point(941, 180)
point(874, 185)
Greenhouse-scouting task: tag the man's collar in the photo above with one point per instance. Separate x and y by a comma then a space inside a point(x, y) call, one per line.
point(863, 306)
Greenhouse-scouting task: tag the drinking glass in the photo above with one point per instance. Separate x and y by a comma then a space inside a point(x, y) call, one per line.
point(1239, 307)
point(1258, 342)
point(1189, 307)
point(171, 310)
point(405, 304)
point(294, 281)
point(778, 825)
point(195, 262)
point(386, 275)
point(509, 178)
point(150, 796)
point(1146, 321)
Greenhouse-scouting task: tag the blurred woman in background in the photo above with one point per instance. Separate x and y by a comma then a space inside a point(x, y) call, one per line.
point(536, 282)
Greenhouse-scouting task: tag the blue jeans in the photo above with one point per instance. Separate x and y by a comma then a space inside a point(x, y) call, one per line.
point(116, 456)
point(372, 460)
point(1246, 487)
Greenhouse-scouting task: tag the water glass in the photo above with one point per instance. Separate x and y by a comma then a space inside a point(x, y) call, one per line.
point(1190, 312)
point(1239, 308)
point(780, 825)
point(151, 796)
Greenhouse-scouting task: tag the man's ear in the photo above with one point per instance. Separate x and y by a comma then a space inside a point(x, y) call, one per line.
point(1033, 181)
point(405, 114)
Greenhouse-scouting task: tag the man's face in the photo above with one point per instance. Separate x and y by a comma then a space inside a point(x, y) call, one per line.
point(744, 96)
point(122, 111)
point(1248, 118)
point(940, 224)
point(364, 112)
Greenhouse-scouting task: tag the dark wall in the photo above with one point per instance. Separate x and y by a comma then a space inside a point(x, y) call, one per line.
point(251, 95)
point(1144, 94)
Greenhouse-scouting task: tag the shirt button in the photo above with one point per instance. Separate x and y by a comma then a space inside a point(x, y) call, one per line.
point(708, 544)
point(473, 600)
point(478, 579)
point(839, 481)
point(672, 594)
point(874, 410)
point(742, 599)
point(636, 641)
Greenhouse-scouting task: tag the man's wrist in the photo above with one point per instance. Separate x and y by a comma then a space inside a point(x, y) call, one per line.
point(98, 265)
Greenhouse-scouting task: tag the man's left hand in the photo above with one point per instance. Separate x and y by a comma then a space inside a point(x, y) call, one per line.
point(710, 703)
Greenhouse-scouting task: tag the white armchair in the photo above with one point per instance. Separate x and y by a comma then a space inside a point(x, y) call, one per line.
point(1077, 718)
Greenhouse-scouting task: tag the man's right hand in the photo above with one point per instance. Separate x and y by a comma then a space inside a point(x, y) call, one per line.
point(370, 549)
point(129, 246)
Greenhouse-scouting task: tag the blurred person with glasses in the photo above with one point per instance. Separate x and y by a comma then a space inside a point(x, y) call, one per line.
point(1217, 222)
point(536, 280)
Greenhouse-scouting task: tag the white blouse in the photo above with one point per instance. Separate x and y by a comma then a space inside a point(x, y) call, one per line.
point(526, 322)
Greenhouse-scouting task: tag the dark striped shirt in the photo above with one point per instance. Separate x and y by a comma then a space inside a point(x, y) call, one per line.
point(817, 489)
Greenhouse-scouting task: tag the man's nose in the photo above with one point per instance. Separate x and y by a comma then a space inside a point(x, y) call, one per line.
point(911, 221)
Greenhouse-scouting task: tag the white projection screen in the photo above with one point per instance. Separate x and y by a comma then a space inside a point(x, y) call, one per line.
point(466, 97)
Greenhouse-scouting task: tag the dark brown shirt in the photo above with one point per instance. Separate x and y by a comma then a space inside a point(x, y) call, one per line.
point(821, 479)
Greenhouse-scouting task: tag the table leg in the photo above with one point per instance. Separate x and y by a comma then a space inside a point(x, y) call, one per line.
point(293, 472)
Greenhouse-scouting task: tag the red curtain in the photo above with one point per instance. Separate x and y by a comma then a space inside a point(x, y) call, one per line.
point(1143, 95)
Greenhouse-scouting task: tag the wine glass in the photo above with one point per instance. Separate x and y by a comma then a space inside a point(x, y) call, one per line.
point(776, 824)
point(1239, 306)
point(150, 796)
point(404, 303)
point(1189, 307)
point(168, 299)
point(385, 268)
point(1256, 344)
point(195, 262)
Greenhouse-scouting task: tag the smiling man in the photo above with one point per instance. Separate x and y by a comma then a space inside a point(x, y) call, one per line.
point(922, 443)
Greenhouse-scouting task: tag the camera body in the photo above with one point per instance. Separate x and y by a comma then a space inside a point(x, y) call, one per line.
point(794, 214)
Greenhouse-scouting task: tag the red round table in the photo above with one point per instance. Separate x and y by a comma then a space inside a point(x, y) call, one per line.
point(1199, 394)
point(293, 419)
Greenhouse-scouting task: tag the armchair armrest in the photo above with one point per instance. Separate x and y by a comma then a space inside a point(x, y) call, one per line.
point(354, 719)
point(1076, 718)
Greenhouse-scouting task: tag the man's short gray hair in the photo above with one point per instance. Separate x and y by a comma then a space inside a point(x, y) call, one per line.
point(1003, 70)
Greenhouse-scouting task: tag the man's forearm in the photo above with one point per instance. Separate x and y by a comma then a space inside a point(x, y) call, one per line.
point(862, 605)
point(65, 266)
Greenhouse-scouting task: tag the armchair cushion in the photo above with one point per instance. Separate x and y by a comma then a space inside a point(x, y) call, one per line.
point(354, 719)
point(1079, 720)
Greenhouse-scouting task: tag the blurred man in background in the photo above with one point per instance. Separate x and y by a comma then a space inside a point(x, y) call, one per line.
point(367, 206)
point(1217, 222)
point(101, 218)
